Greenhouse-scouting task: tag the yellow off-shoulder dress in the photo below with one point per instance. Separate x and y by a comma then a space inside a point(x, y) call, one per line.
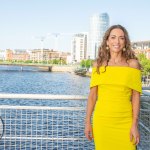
point(112, 117)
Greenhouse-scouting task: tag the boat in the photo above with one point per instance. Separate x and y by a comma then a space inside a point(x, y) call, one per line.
point(80, 71)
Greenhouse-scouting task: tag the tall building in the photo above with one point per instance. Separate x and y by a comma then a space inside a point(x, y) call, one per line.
point(2, 54)
point(141, 47)
point(79, 47)
point(99, 23)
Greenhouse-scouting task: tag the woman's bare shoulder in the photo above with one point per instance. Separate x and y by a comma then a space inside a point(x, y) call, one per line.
point(94, 64)
point(134, 63)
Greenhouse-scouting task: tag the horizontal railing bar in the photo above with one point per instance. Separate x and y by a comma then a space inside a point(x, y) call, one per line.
point(50, 96)
point(52, 139)
point(145, 110)
point(40, 108)
point(46, 108)
point(146, 92)
point(43, 138)
point(146, 88)
point(42, 96)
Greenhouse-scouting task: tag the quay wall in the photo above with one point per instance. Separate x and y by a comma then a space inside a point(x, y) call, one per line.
point(58, 68)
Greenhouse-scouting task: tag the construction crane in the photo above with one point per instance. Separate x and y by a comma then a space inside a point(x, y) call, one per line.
point(56, 36)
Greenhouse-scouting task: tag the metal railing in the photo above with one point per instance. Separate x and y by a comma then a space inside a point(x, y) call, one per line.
point(144, 122)
point(58, 127)
point(55, 127)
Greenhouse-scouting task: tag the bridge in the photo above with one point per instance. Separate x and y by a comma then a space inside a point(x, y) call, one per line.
point(26, 64)
point(43, 67)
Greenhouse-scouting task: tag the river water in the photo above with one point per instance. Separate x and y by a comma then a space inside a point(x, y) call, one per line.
point(13, 80)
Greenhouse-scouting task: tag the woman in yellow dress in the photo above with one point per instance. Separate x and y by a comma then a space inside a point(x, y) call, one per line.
point(115, 89)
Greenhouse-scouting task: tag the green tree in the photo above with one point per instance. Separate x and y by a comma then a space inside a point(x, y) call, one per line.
point(83, 63)
point(89, 63)
point(145, 64)
point(86, 63)
point(28, 61)
point(56, 61)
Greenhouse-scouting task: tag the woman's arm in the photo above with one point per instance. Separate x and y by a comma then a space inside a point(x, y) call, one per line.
point(134, 133)
point(90, 107)
point(91, 103)
point(135, 107)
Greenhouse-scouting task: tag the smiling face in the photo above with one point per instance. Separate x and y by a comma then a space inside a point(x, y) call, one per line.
point(116, 40)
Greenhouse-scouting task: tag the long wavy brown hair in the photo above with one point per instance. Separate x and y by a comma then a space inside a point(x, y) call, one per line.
point(104, 54)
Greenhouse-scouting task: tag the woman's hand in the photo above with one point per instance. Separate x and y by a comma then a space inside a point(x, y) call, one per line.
point(134, 133)
point(88, 131)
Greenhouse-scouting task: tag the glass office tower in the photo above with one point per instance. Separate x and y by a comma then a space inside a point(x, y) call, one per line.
point(99, 23)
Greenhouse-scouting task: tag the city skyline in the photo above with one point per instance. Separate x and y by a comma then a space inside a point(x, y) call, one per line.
point(24, 23)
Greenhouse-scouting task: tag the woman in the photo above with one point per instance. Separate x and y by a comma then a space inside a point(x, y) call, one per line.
point(114, 96)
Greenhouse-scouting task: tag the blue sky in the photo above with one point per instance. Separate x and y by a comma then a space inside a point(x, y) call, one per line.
point(23, 22)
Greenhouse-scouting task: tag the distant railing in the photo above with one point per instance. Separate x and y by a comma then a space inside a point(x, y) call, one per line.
point(56, 127)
